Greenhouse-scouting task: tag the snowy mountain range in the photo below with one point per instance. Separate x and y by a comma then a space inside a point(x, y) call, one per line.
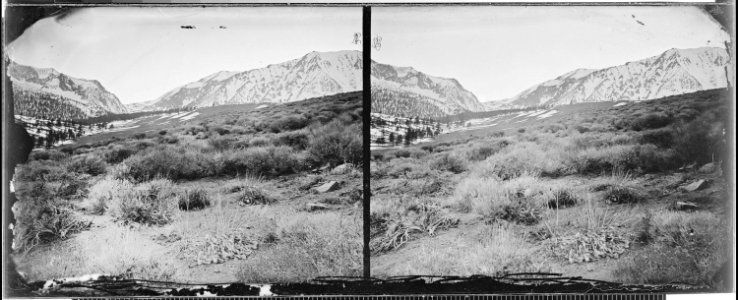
point(316, 74)
point(45, 92)
point(312, 75)
point(674, 72)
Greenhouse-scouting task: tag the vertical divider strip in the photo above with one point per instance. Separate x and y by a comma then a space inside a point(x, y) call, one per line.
point(365, 129)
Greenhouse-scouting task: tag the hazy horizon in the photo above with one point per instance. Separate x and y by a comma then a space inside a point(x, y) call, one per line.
point(139, 54)
point(497, 52)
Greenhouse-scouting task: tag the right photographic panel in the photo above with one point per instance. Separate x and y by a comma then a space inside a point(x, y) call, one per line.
point(581, 140)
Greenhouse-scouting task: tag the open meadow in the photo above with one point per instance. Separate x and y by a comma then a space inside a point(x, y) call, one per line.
point(631, 192)
point(254, 193)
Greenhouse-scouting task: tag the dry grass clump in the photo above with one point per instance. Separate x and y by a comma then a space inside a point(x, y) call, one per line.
point(310, 245)
point(195, 199)
point(250, 195)
point(218, 248)
point(149, 203)
point(686, 247)
point(495, 251)
point(392, 230)
point(510, 200)
point(44, 211)
point(562, 198)
point(622, 195)
point(589, 246)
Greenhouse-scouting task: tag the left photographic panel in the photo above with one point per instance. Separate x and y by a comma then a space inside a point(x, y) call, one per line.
point(188, 144)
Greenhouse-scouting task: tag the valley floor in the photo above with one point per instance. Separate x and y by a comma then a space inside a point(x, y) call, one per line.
point(203, 246)
point(631, 193)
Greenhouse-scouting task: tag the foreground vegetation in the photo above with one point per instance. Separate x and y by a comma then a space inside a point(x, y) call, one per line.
point(228, 196)
point(595, 192)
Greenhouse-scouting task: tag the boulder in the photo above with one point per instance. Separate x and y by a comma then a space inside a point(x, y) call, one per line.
point(327, 187)
point(697, 185)
point(341, 169)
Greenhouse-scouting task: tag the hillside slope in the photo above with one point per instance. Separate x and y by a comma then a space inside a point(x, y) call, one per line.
point(48, 93)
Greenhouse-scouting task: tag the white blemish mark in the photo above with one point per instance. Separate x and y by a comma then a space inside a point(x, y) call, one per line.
point(266, 290)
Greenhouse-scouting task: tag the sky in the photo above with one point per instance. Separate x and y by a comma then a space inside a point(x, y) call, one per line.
point(497, 52)
point(139, 54)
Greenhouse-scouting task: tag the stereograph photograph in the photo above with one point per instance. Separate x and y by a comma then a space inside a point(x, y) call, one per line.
point(219, 150)
point(189, 144)
point(584, 141)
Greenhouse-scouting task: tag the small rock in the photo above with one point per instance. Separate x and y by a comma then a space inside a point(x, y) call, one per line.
point(707, 168)
point(697, 185)
point(316, 206)
point(341, 169)
point(684, 206)
point(324, 168)
point(327, 187)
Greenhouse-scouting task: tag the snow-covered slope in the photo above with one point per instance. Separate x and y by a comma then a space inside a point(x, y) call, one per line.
point(315, 74)
point(45, 89)
point(674, 72)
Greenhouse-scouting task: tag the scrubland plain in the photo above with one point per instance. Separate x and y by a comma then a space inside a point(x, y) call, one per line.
point(230, 194)
point(632, 193)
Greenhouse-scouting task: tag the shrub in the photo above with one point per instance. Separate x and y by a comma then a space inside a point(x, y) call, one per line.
point(700, 141)
point(526, 158)
point(651, 121)
point(289, 123)
point(150, 203)
point(41, 171)
point(193, 200)
point(220, 130)
point(139, 136)
point(260, 141)
point(221, 143)
point(406, 153)
point(428, 219)
point(622, 195)
point(336, 143)
point(521, 211)
point(660, 137)
point(54, 155)
point(118, 154)
point(169, 162)
point(43, 223)
point(562, 199)
point(591, 245)
point(88, 164)
point(650, 158)
point(298, 140)
point(168, 139)
point(310, 246)
point(447, 162)
point(262, 161)
point(249, 195)
point(481, 152)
